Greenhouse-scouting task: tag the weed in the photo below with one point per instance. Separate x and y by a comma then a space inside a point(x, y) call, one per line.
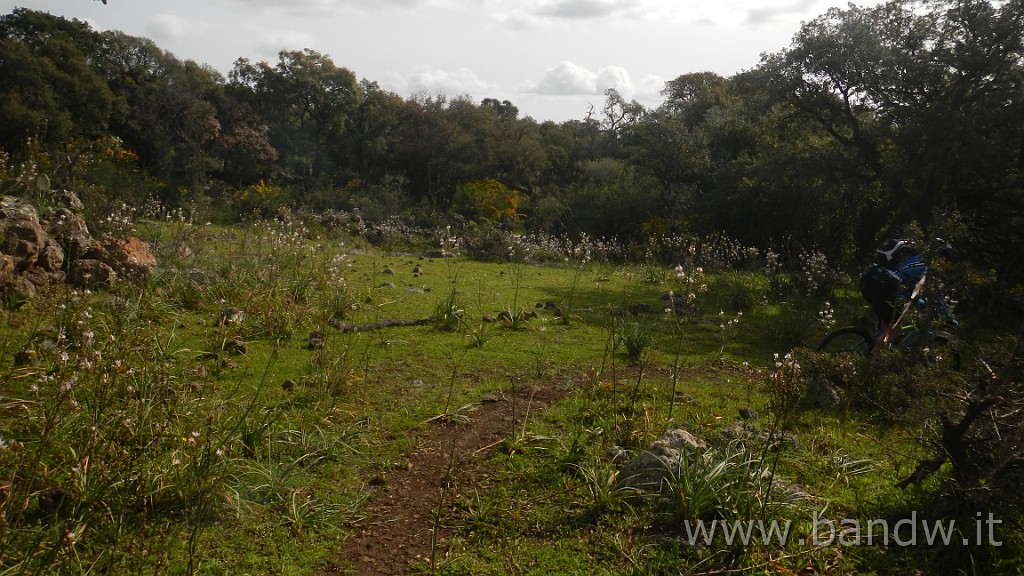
point(131, 424)
point(480, 334)
point(792, 327)
point(599, 478)
point(636, 338)
point(447, 313)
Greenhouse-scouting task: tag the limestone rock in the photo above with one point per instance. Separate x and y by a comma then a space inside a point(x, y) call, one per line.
point(70, 232)
point(130, 258)
point(92, 274)
point(22, 235)
point(652, 469)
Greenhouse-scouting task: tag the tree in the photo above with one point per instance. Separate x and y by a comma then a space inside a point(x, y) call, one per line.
point(930, 102)
point(47, 87)
point(308, 103)
point(166, 111)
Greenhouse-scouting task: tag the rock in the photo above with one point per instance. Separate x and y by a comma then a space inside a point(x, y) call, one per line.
point(230, 316)
point(26, 357)
point(749, 433)
point(68, 199)
point(38, 252)
point(618, 455)
point(652, 470)
point(317, 340)
point(748, 413)
point(20, 231)
point(51, 259)
point(637, 309)
point(70, 232)
point(821, 394)
point(92, 274)
point(6, 269)
point(739, 431)
point(130, 258)
point(388, 271)
point(40, 278)
point(235, 346)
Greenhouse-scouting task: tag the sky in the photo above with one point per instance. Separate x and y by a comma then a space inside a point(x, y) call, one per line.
point(553, 59)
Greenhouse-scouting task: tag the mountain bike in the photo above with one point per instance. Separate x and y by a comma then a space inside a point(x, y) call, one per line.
point(937, 347)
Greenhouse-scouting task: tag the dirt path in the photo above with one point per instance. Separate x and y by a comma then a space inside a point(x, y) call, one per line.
point(399, 527)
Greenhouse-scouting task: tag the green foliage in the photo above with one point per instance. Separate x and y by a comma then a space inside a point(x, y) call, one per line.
point(140, 429)
point(447, 313)
point(835, 157)
point(168, 425)
point(635, 337)
point(493, 200)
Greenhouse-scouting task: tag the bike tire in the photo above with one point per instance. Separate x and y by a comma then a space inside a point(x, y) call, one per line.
point(944, 351)
point(848, 339)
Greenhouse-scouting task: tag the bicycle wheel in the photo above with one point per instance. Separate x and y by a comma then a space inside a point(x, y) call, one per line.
point(943, 351)
point(847, 339)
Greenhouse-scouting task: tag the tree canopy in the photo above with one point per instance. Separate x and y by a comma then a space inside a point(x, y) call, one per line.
point(872, 119)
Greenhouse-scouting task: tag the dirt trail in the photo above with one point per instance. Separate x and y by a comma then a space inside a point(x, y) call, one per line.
point(399, 525)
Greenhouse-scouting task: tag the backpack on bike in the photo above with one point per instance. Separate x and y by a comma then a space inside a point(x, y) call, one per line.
point(892, 252)
point(881, 281)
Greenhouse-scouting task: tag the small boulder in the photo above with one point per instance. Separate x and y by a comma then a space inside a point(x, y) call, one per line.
point(235, 346)
point(652, 470)
point(20, 232)
point(640, 308)
point(317, 340)
point(70, 232)
point(51, 259)
point(820, 393)
point(92, 274)
point(131, 258)
point(230, 316)
point(68, 199)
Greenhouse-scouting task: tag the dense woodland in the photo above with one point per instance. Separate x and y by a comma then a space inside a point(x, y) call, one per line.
point(910, 113)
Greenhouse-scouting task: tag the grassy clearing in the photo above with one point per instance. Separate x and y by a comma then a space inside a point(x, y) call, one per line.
point(156, 429)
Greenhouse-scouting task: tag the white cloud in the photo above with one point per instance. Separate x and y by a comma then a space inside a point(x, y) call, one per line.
point(434, 80)
point(271, 42)
point(328, 7)
point(585, 9)
point(566, 78)
point(168, 27)
point(770, 13)
point(544, 13)
point(569, 78)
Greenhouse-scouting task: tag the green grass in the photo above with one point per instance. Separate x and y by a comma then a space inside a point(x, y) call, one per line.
point(199, 457)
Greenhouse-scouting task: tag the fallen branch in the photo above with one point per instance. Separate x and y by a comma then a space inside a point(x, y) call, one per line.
point(387, 323)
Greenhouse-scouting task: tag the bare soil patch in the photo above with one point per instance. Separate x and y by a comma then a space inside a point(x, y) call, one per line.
point(399, 527)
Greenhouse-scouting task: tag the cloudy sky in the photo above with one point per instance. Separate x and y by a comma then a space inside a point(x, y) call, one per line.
point(551, 58)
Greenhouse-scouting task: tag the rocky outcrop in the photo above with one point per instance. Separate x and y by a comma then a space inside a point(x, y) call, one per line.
point(38, 250)
point(653, 469)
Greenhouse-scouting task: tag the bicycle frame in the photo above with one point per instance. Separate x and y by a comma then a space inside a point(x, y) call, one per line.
point(889, 335)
